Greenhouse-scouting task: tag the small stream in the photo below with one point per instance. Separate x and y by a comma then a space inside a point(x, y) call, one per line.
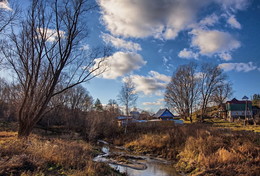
point(134, 165)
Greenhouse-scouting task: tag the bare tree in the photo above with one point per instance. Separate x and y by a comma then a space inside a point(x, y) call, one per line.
point(9, 94)
point(211, 78)
point(68, 109)
point(8, 14)
point(3, 87)
point(222, 92)
point(182, 91)
point(112, 107)
point(79, 98)
point(46, 52)
point(127, 96)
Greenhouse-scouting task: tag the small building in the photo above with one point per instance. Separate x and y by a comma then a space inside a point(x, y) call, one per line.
point(239, 109)
point(123, 120)
point(164, 114)
point(135, 114)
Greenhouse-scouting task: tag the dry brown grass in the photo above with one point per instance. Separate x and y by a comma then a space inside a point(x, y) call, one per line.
point(221, 152)
point(37, 156)
point(149, 143)
point(136, 130)
point(203, 150)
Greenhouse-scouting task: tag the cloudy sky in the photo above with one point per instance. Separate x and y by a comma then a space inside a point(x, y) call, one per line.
point(151, 38)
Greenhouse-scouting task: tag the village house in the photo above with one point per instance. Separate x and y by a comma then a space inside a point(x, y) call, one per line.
point(123, 120)
point(135, 114)
point(239, 109)
point(164, 114)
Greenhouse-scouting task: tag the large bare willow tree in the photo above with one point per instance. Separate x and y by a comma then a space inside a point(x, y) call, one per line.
point(212, 78)
point(182, 91)
point(191, 87)
point(47, 52)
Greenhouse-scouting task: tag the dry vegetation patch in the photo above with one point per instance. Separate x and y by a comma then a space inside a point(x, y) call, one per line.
point(150, 143)
point(216, 151)
point(203, 150)
point(38, 156)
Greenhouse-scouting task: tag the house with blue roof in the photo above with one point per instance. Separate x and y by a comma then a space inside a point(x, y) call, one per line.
point(164, 114)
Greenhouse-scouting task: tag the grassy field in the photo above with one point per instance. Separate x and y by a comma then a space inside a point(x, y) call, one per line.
point(200, 149)
point(235, 125)
point(42, 156)
point(213, 148)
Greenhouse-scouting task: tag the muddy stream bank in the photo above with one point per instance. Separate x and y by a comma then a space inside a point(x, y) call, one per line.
point(124, 161)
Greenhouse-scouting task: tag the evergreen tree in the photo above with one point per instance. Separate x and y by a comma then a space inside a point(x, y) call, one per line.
point(98, 106)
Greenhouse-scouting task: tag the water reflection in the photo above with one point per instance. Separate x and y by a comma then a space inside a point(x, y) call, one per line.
point(143, 165)
point(153, 169)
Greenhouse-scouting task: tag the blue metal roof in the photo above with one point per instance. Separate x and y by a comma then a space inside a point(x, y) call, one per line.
point(164, 113)
point(121, 118)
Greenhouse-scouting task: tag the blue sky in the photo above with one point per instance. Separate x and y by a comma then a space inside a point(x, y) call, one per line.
point(151, 38)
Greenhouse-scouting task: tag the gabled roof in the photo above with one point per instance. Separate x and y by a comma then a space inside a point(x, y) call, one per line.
point(235, 101)
point(163, 111)
point(135, 112)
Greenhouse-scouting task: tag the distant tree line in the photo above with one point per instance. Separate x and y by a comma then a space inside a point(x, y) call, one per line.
point(256, 100)
point(72, 111)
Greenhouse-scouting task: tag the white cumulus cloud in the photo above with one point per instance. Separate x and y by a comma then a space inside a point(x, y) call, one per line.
point(209, 20)
point(130, 18)
point(160, 19)
point(188, 54)
point(156, 103)
point(233, 4)
point(239, 67)
point(5, 5)
point(225, 56)
point(233, 22)
point(121, 43)
point(154, 83)
point(120, 63)
point(50, 35)
point(159, 76)
point(210, 42)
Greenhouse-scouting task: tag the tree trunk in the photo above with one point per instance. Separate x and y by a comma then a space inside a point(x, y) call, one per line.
point(25, 129)
point(127, 111)
point(190, 119)
point(190, 116)
point(203, 112)
point(27, 120)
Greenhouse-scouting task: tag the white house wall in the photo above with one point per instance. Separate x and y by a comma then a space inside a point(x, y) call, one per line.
point(238, 113)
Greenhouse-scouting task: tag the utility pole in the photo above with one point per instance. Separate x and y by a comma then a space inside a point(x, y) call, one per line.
point(246, 109)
